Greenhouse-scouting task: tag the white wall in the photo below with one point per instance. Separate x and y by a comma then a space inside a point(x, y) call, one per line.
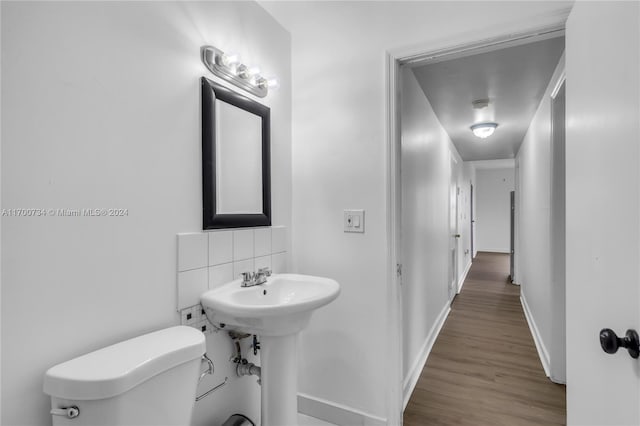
point(603, 209)
point(533, 252)
point(100, 109)
point(493, 209)
point(425, 171)
point(339, 156)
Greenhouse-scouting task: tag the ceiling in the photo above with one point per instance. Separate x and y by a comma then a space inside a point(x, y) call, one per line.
point(514, 79)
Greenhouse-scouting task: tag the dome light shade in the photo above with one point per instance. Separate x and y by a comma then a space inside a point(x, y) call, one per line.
point(484, 130)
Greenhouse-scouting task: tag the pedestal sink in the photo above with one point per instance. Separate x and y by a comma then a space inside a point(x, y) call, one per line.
point(276, 311)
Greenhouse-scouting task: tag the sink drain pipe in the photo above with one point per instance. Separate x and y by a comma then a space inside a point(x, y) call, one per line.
point(244, 368)
point(249, 369)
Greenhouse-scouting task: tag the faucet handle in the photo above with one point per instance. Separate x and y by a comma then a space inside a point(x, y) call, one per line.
point(265, 271)
point(247, 276)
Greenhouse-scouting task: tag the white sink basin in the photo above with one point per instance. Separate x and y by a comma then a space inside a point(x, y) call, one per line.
point(276, 311)
point(281, 306)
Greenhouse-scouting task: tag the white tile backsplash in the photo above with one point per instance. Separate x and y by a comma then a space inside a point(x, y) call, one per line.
point(262, 243)
point(262, 262)
point(220, 247)
point(220, 274)
point(204, 326)
point(279, 263)
point(278, 239)
point(242, 266)
point(192, 251)
point(242, 244)
point(191, 284)
point(187, 316)
point(195, 317)
point(209, 259)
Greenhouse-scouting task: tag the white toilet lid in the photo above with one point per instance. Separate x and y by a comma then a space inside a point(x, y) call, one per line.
point(115, 369)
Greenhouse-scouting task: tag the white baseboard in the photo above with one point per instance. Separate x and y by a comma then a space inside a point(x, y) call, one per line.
point(504, 251)
point(335, 413)
point(464, 276)
point(414, 373)
point(537, 338)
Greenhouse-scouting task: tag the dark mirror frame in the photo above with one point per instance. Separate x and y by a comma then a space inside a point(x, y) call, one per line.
point(210, 219)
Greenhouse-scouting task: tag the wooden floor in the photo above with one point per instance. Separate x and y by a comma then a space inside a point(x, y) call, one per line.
point(484, 368)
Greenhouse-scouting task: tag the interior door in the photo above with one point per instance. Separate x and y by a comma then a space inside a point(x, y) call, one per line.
point(602, 209)
point(512, 238)
point(455, 236)
point(472, 225)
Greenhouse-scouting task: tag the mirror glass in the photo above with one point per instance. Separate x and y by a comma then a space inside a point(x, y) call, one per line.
point(239, 160)
point(236, 178)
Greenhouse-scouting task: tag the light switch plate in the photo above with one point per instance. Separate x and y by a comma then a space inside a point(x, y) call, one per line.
point(354, 220)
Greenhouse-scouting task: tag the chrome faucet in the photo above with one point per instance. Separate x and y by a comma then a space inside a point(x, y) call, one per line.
point(249, 279)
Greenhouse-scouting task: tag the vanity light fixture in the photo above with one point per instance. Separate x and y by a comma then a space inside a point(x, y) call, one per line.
point(483, 130)
point(228, 67)
point(229, 59)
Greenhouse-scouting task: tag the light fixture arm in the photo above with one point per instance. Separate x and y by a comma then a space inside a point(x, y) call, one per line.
point(212, 58)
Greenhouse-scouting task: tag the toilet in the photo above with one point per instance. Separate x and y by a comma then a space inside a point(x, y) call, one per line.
point(148, 380)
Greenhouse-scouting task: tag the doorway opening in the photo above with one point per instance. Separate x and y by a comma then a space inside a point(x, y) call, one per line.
point(460, 196)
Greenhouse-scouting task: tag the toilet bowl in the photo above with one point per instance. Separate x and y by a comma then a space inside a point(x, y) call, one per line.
point(147, 380)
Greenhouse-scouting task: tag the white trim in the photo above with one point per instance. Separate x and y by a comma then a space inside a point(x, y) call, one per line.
point(503, 251)
point(394, 366)
point(464, 276)
point(414, 374)
point(558, 301)
point(335, 413)
point(484, 45)
point(543, 354)
point(559, 83)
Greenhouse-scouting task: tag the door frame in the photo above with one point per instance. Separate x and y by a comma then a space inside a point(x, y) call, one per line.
point(454, 242)
point(557, 367)
point(515, 33)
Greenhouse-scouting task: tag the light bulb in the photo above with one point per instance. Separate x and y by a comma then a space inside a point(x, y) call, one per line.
point(272, 83)
point(230, 59)
point(484, 130)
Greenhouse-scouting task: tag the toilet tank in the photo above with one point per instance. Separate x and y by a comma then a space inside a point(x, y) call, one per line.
point(147, 380)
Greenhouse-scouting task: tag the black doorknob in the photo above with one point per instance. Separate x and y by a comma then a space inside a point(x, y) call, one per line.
point(610, 342)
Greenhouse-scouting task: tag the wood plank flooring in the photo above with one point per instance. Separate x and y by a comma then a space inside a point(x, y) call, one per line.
point(484, 368)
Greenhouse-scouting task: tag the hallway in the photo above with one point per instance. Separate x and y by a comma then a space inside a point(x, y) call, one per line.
point(484, 368)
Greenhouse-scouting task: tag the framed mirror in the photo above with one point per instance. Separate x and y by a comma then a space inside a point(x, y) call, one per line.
point(236, 159)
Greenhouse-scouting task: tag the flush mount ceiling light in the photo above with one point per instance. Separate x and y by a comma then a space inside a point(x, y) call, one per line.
point(483, 130)
point(228, 67)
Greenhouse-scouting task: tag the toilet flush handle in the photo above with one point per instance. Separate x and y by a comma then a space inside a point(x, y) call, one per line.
point(210, 368)
point(68, 412)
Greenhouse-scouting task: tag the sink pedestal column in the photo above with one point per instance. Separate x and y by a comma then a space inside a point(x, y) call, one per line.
point(279, 378)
